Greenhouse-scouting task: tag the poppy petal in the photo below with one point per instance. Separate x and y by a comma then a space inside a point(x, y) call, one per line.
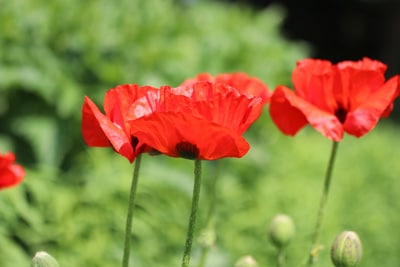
point(10, 174)
point(165, 131)
point(99, 131)
point(291, 113)
point(314, 81)
point(246, 85)
point(221, 104)
point(119, 100)
point(92, 132)
point(365, 117)
point(364, 64)
point(287, 117)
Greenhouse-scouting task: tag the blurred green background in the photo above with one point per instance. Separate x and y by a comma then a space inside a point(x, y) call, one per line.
point(73, 201)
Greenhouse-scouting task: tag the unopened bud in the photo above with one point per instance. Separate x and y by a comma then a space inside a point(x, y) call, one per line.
point(246, 261)
point(282, 230)
point(346, 250)
point(43, 259)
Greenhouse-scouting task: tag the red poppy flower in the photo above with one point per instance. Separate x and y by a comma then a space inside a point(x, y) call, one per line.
point(350, 96)
point(111, 129)
point(204, 120)
point(10, 174)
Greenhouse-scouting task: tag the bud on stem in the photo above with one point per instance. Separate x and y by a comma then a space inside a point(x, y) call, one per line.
point(246, 261)
point(346, 250)
point(43, 259)
point(281, 230)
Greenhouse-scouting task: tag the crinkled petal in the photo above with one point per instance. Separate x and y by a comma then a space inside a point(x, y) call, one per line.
point(363, 64)
point(221, 104)
point(118, 103)
point(245, 84)
point(99, 131)
point(165, 131)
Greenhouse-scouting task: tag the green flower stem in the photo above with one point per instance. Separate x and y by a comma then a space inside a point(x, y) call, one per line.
point(193, 213)
point(280, 260)
point(131, 207)
point(210, 215)
point(213, 194)
point(203, 256)
point(316, 247)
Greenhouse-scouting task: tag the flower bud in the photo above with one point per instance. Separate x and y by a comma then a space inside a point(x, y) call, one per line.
point(282, 230)
point(346, 250)
point(246, 261)
point(42, 259)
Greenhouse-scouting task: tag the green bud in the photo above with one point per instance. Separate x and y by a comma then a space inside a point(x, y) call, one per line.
point(246, 261)
point(281, 230)
point(346, 250)
point(42, 259)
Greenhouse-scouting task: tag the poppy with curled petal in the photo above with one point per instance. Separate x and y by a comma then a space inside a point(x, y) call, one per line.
point(350, 97)
point(111, 129)
point(202, 121)
point(10, 174)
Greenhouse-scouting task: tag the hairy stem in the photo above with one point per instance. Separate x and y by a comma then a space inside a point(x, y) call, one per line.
point(131, 207)
point(210, 215)
point(316, 247)
point(193, 213)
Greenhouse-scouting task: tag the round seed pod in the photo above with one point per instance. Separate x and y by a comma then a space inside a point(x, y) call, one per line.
point(281, 230)
point(43, 259)
point(246, 261)
point(346, 250)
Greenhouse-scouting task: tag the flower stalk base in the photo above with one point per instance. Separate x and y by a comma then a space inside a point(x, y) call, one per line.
point(315, 248)
point(193, 213)
point(131, 207)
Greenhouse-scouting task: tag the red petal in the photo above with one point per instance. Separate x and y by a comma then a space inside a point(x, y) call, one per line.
point(246, 85)
point(357, 86)
point(6, 160)
point(99, 131)
point(287, 117)
point(221, 104)
point(291, 113)
point(10, 174)
point(92, 132)
point(364, 64)
point(119, 100)
point(314, 81)
point(164, 131)
point(364, 118)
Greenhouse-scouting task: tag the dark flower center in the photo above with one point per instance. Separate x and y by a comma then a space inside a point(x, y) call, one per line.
point(134, 141)
point(187, 150)
point(341, 114)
